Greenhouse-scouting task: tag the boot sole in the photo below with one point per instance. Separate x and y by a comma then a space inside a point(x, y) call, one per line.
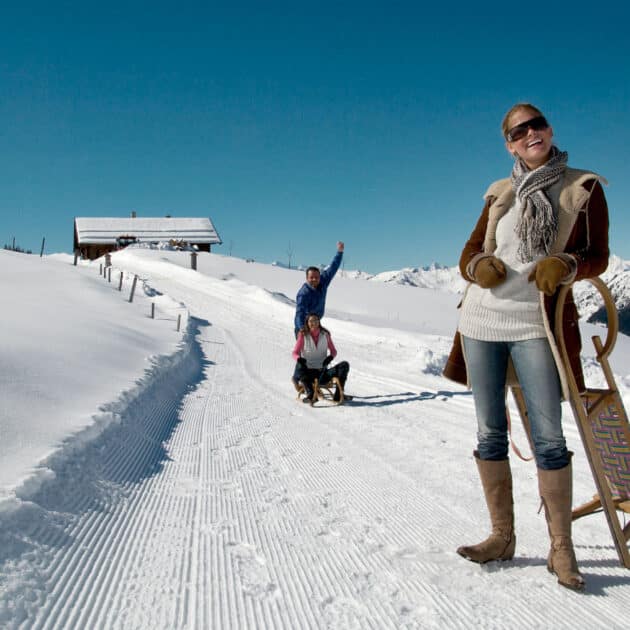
point(578, 588)
point(507, 554)
point(467, 556)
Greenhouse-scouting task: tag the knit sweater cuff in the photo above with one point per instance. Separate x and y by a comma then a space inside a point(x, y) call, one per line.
point(571, 262)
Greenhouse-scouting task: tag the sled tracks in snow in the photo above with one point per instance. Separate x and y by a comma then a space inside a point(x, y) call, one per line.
point(215, 505)
point(68, 546)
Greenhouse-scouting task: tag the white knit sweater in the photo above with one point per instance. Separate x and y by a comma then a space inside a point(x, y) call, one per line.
point(510, 311)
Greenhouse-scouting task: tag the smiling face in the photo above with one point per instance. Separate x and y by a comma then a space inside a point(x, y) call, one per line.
point(312, 322)
point(535, 146)
point(313, 278)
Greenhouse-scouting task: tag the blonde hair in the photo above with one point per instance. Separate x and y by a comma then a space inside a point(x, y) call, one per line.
point(505, 124)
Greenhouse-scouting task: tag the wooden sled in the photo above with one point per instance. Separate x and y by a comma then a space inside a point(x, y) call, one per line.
point(603, 427)
point(322, 392)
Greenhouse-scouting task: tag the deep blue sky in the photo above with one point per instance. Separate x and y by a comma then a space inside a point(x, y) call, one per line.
point(293, 125)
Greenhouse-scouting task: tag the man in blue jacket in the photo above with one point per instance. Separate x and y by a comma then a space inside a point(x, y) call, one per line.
point(311, 298)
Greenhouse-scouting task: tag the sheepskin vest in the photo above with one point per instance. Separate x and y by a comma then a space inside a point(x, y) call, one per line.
point(582, 232)
point(572, 200)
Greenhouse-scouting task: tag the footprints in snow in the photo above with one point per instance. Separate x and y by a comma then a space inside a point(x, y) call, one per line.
point(252, 571)
point(282, 487)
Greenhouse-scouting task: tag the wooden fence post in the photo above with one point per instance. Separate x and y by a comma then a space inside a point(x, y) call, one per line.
point(109, 274)
point(120, 281)
point(133, 288)
point(179, 321)
point(152, 310)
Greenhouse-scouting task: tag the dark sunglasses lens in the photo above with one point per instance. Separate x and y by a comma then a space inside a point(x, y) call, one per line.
point(520, 131)
point(517, 133)
point(539, 123)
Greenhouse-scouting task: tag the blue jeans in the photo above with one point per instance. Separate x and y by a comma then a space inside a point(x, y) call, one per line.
point(486, 362)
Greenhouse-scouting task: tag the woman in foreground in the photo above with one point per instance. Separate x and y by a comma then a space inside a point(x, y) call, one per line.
point(544, 226)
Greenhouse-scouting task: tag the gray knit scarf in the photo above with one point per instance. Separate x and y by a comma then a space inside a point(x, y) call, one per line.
point(537, 226)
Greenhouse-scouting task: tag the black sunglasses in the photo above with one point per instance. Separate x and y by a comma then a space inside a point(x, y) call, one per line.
point(520, 131)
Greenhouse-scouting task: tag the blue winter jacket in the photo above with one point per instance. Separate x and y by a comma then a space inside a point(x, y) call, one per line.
point(309, 300)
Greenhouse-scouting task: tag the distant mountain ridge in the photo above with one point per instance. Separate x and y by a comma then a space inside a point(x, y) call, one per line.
point(433, 276)
point(617, 278)
point(449, 279)
point(436, 276)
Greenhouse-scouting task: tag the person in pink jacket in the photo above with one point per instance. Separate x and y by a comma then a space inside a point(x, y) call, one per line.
point(313, 352)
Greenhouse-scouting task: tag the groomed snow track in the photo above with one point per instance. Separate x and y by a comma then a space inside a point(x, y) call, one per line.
point(217, 501)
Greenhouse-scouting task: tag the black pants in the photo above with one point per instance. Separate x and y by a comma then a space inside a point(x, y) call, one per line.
point(324, 376)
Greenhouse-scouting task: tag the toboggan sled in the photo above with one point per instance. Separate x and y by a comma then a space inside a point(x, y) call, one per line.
point(323, 391)
point(603, 426)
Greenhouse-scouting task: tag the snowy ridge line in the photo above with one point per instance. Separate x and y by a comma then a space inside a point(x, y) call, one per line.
point(162, 301)
point(110, 413)
point(89, 474)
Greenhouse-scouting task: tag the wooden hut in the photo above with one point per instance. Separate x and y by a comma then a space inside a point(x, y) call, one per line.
point(95, 236)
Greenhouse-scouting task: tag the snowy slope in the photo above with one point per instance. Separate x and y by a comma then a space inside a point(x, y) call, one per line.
point(218, 501)
point(70, 342)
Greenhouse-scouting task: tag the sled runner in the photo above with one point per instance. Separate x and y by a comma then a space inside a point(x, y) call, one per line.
point(603, 427)
point(323, 392)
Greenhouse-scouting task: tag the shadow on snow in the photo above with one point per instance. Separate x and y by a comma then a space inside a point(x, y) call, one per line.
point(386, 400)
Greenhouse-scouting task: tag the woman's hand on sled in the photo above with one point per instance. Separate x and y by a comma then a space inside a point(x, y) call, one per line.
point(549, 273)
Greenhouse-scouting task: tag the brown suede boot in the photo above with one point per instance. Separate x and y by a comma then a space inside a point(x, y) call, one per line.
point(496, 479)
point(556, 489)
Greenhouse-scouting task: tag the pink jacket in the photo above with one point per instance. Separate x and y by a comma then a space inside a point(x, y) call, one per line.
point(299, 345)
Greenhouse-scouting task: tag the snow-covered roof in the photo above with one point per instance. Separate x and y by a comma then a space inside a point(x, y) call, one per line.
point(104, 230)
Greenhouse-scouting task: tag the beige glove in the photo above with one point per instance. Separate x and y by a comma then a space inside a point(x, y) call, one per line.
point(489, 272)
